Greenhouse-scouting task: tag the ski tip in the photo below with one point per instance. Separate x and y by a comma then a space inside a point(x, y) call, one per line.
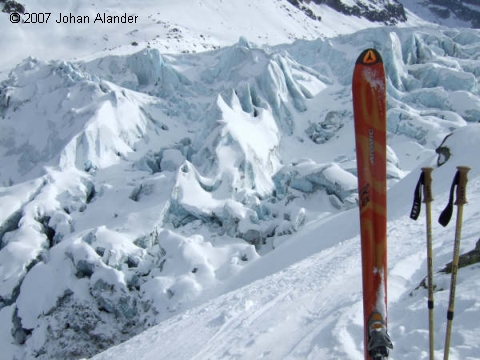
point(369, 57)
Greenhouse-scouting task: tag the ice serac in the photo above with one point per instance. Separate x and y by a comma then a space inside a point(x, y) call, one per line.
point(264, 80)
point(239, 158)
point(146, 71)
point(80, 120)
point(308, 177)
point(44, 93)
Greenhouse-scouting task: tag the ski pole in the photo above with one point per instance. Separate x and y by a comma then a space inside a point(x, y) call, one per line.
point(460, 181)
point(428, 198)
point(426, 181)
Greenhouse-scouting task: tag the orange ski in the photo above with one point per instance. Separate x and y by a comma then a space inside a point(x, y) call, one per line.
point(369, 105)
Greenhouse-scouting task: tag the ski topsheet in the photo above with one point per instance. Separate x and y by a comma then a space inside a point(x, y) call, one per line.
point(369, 105)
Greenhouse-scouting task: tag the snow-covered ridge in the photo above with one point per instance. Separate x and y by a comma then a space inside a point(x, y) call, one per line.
point(139, 183)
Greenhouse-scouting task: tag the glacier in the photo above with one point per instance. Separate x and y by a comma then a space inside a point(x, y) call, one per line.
point(136, 184)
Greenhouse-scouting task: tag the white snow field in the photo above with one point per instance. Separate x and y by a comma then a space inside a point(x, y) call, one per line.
point(199, 189)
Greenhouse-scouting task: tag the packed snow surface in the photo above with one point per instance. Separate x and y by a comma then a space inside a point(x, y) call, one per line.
point(208, 201)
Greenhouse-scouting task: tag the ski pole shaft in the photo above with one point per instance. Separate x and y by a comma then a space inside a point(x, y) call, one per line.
point(427, 199)
point(460, 201)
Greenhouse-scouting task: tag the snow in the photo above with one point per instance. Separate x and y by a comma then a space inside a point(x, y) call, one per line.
point(312, 308)
point(168, 27)
point(199, 189)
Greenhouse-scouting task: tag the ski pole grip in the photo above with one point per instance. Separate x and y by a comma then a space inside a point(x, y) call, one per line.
point(427, 184)
point(462, 185)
